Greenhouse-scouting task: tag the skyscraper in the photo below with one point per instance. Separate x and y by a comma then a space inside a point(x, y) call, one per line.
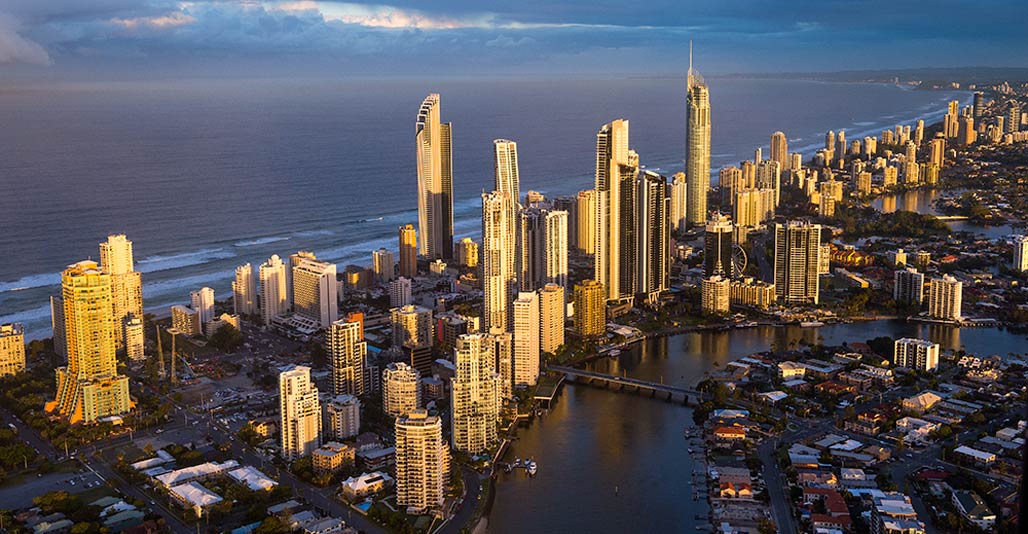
point(945, 297)
point(652, 237)
point(697, 146)
point(979, 105)
point(506, 180)
point(408, 251)
point(1014, 118)
point(384, 265)
point(202, 301)
point(611, 154)
point(590, 309)
point(346, 353)
point(543, 248)
point(730, 182)
point(586, 215)
point(300, 413)
point(399, 292)
point(679, 202)
point(780, 150)
point(797, 251)
point(342, 417)
point(717, 247)
point(412, 326)
point(126, 283)
point(435, 181)
point(526, 338)
point(551, 318)
point(315, 292)
point(908, 286)
point(467, 253)
point(475, 390)
point(422, 461)
point(497, 255)
point(272, 274)
point(502, 344)
point(89, 387)
point(135, 339)
point(244, 291)
point(401, 389)
point(628, 233)
point(1020, 260)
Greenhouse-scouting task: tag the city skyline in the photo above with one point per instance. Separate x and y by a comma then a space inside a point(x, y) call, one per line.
point(776, 295)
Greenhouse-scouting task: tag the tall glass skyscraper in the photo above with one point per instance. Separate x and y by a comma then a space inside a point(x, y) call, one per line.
point(697, 147)
point(435, 182)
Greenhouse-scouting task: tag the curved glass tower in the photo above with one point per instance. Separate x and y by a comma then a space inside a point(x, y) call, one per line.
point(697, 147)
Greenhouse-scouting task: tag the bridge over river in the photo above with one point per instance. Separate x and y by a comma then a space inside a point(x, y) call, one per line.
point(630, 385)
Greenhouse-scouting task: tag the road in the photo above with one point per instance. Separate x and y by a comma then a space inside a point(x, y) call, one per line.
point(466, 508)
point(98, 468)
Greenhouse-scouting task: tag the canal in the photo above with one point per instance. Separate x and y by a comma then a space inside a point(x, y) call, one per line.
point(611, 462)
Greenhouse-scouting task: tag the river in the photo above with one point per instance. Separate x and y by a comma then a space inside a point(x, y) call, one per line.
point(594, 441)
point(922, 201)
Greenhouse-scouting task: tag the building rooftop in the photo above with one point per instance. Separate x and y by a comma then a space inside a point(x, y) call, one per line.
point(195, 494)
point(252, 478)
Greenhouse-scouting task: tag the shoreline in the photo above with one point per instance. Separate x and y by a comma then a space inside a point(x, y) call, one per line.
point(36, 327)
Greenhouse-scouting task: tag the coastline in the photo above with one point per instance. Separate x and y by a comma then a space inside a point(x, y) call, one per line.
point(172, 284)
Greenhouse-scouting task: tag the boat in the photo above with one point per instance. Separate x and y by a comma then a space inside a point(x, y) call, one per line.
point(811, 324)
point(690, 451)
point(614, 353)
point(530, 466)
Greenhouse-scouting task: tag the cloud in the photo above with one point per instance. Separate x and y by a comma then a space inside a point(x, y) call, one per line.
point(390, 17)
point(173, 19)
point(14, 48)
point(502, 41)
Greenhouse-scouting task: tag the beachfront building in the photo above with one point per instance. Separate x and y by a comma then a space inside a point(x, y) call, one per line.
point(89, 386)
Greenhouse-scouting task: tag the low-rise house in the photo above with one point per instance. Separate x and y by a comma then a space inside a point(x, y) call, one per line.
point(366, 484)
point(868, 422)
point(728, 490)
point(920, 403)
point(821, 478)
point(916, 430)
point(973, 508)
point(729, 433)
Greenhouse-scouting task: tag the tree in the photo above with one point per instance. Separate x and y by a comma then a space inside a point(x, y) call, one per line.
point(57, 501)
point(227, 338)
point(272, 525)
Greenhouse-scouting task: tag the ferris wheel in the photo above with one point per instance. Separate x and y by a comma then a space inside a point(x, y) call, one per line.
point(738, 259)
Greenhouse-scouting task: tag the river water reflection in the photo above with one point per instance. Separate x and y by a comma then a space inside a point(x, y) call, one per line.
point(921, 201)
point(612, 462)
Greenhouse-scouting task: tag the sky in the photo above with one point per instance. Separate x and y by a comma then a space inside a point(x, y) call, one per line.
point(112, 39)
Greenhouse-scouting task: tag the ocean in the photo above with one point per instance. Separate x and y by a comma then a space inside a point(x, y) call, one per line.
point(203, 176)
